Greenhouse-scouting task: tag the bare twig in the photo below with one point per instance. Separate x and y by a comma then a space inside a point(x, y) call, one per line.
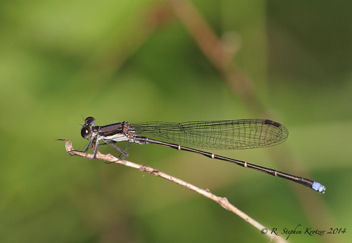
point(221, 200)
point(216, 52)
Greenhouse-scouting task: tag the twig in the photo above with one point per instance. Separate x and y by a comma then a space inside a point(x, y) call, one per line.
point(215, 50)
point(221, 200)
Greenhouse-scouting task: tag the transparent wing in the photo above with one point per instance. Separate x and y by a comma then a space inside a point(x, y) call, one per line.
point(226, 134)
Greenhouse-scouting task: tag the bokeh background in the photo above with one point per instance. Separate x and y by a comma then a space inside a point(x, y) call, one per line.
point(145, 60)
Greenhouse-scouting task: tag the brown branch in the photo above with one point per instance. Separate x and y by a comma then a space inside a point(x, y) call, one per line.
point(220, 200)
point(216, 52)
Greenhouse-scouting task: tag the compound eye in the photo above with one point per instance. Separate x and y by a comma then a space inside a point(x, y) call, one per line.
point(85, 132)
point(90, 121)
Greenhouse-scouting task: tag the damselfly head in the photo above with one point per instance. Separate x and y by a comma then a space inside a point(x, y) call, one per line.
point(86, 131)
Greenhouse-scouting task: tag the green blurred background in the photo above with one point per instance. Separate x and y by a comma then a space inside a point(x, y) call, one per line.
point(135, 61)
